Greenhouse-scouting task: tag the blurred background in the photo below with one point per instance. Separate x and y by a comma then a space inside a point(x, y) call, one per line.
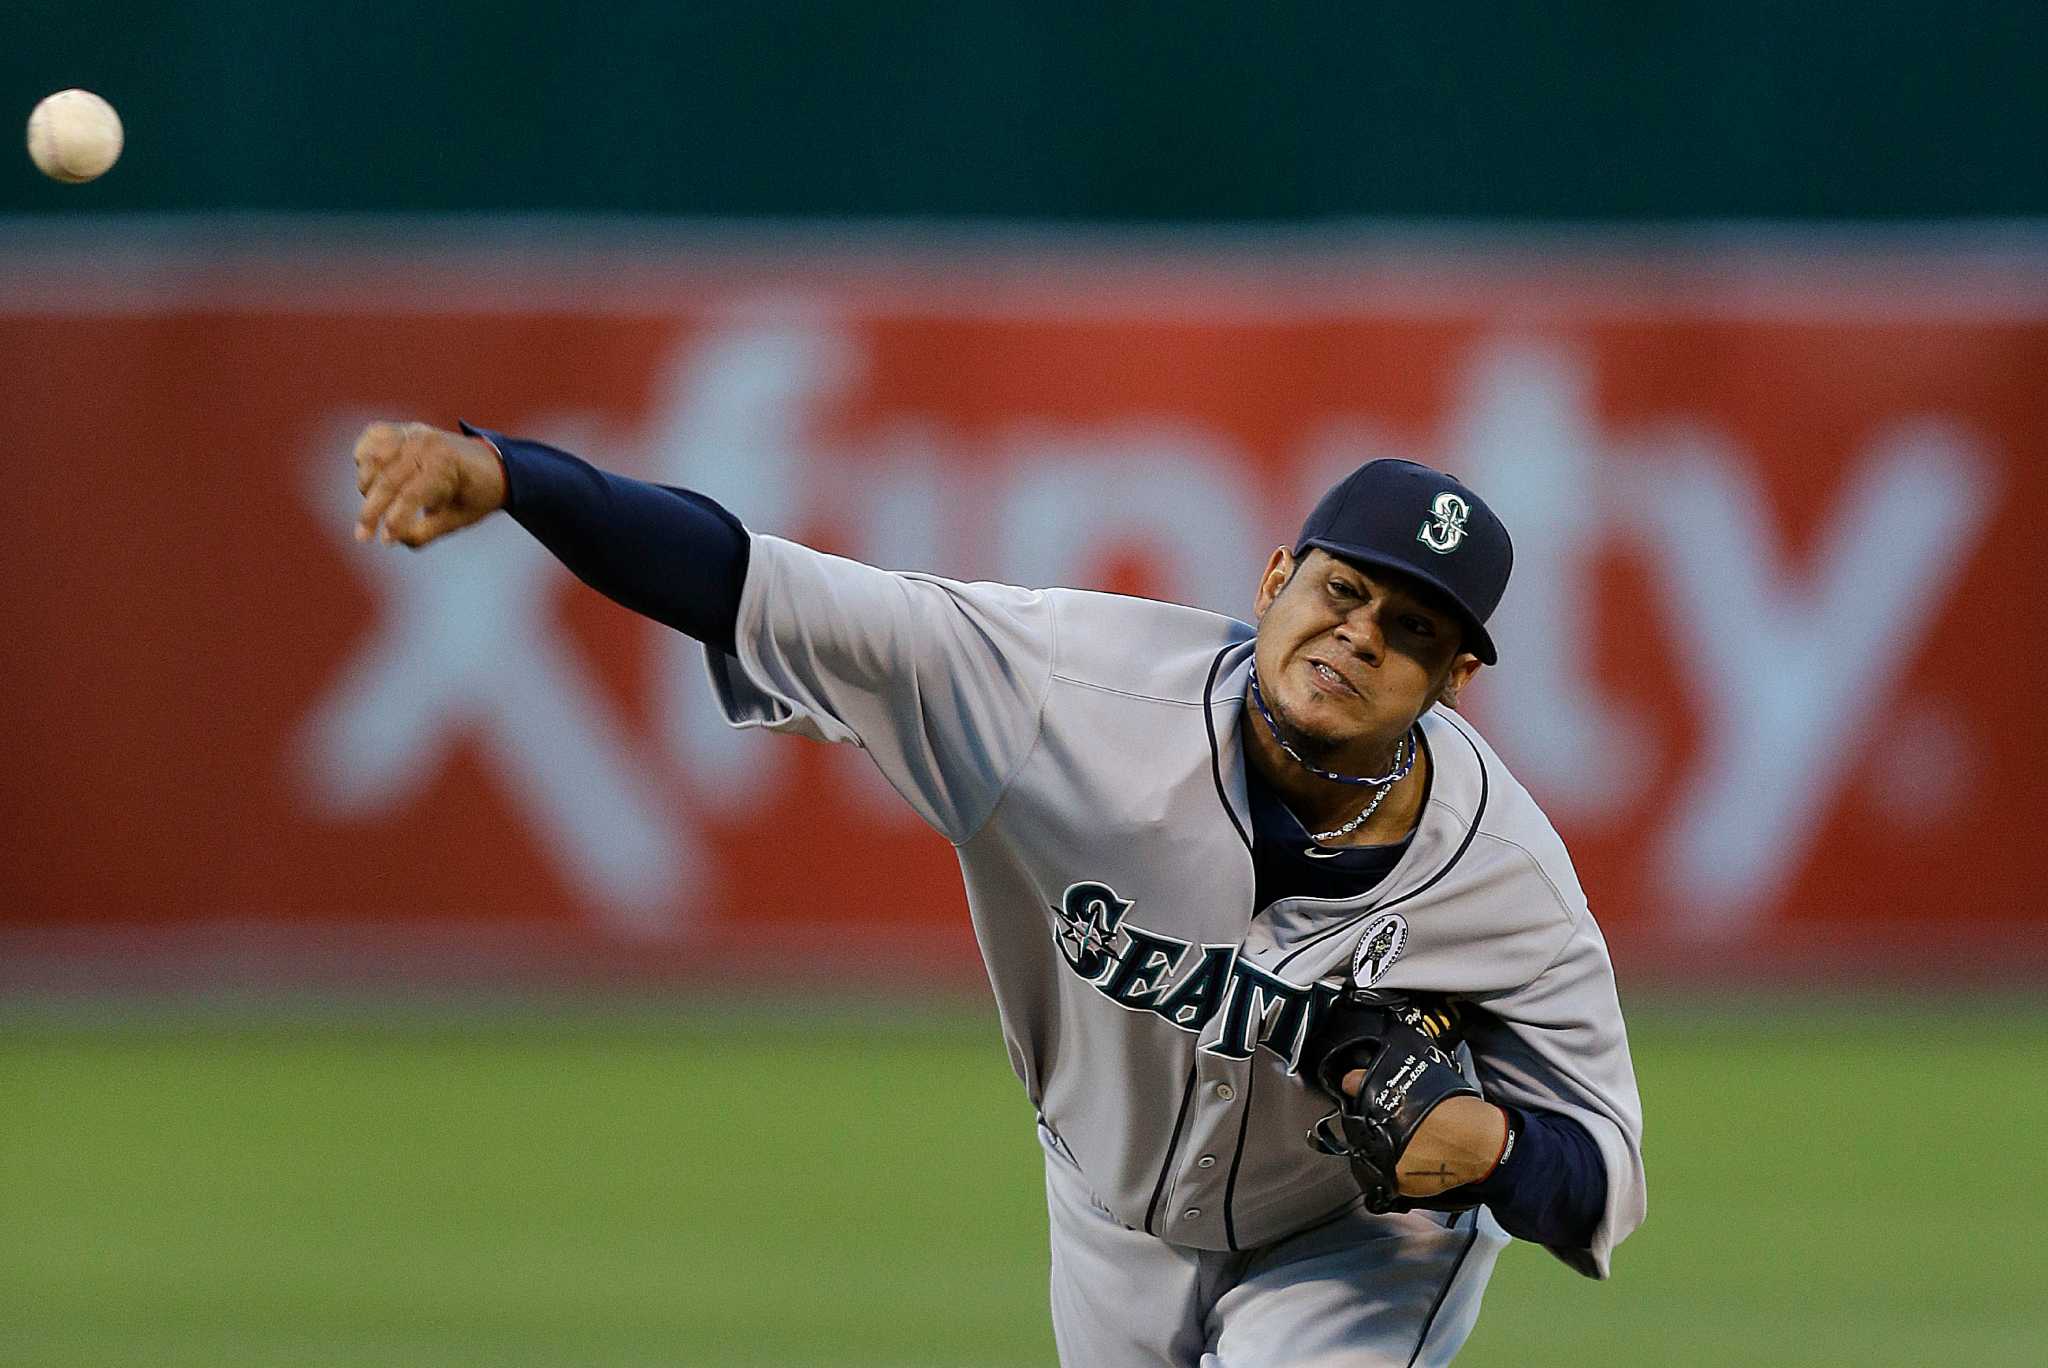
point(399, 963)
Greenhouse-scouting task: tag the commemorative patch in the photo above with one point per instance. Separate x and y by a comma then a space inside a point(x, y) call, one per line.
point(1382, 942)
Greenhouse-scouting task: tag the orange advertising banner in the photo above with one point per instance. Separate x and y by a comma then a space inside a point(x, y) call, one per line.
point(1770, 658)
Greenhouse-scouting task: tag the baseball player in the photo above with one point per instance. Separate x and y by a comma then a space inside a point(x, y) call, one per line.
point(1297, 977)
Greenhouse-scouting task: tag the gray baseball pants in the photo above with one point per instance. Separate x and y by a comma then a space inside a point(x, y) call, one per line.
point(1359, 1291)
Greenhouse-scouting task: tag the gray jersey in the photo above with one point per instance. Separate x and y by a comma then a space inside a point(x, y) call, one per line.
point(1080, 751)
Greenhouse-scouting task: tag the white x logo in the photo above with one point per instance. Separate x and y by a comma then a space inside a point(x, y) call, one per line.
point(459, 646)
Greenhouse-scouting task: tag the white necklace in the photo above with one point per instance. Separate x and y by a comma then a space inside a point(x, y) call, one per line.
point(1404, 756)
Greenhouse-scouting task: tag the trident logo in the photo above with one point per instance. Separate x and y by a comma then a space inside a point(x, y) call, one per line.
point(1444, 531)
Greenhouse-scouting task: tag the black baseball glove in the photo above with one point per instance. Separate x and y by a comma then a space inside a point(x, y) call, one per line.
point(1405, 1046)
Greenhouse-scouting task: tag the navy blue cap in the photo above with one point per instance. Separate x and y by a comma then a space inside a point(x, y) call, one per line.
point(1397, 515)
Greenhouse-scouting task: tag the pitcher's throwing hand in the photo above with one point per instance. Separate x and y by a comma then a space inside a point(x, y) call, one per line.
point(420, 483)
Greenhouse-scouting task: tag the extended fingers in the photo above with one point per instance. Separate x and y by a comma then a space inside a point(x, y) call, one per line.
point(418, 492)
point(385, 486)
point(381, 472)
point(375, 449)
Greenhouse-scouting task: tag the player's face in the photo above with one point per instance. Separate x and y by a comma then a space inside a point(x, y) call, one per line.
point(1349, 658)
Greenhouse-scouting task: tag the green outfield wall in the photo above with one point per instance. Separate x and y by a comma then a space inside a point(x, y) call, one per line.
point(1053, 111)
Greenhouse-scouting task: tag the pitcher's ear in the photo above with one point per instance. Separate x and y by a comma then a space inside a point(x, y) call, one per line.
point(1463, 668)
point(1280, 568)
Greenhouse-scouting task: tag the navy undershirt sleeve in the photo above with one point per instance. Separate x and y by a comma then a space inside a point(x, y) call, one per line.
point(674, 555)
point(1552, 1187)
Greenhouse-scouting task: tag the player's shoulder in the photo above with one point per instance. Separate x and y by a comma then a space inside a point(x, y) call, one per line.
point(1473, 787)
point(1147, 648)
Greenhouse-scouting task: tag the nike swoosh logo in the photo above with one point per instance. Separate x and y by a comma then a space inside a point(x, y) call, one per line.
point(1318, 853)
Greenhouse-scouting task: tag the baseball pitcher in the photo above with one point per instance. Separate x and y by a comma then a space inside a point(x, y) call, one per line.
point(1297, 977)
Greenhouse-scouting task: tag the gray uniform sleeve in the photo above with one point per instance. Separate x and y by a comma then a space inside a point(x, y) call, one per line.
point(942, 683)
point(1557, 1044)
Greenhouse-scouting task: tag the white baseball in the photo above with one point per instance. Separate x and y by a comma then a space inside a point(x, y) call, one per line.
point(74, 136)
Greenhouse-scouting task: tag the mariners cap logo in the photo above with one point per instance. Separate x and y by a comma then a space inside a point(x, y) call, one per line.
point(1442, 532)
point(1382, 942)
point(1376, 515)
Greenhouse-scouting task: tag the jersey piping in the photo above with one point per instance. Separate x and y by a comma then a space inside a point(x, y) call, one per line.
point(1187, 1097)
point(1215, 754)
point(1442, 1292)
point(1244, 1123)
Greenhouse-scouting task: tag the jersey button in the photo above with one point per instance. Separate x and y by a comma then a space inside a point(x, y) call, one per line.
point(1192, 1213)
point(1225, 1091)
point(1206, 1161)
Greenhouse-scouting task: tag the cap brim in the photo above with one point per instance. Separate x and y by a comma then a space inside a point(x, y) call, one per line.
point(1477, 640)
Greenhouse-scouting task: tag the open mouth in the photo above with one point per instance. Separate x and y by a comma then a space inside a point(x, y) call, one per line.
point(1328, 679)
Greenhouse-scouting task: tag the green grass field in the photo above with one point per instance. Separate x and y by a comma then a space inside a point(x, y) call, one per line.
point(1848, 1185)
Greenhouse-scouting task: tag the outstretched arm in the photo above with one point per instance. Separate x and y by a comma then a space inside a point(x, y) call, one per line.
point(941, 682)
point(673, 555)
